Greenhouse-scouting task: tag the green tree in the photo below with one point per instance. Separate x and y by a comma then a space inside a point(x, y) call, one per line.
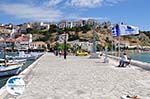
point(85, 28)
point(53, 28)
point(73, 37)
point(61, 46)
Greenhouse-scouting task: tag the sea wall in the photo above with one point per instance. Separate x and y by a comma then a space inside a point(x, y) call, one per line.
point(140, 64)
point(23, 74)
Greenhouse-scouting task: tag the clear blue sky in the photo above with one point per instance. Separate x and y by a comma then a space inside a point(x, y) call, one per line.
point(134, 12)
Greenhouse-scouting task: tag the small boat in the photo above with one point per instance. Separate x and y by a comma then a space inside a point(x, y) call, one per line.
point(17, 61)
point(11, 59)
point(8, 69)
point(22, 55)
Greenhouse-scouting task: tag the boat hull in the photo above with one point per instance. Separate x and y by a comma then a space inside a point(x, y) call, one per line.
point(14, 71)
point(17, 61)
point(27, 58)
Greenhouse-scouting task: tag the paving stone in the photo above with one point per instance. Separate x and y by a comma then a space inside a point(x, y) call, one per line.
point(84, 78)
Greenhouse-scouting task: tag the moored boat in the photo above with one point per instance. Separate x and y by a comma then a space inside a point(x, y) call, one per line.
point(11, 59)
point(8, 69)
point(22, 56)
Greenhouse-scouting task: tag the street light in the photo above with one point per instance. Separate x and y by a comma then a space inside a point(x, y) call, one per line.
point(94, 49)
point(65, 47)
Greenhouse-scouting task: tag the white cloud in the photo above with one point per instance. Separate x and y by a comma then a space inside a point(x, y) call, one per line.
point(79, 17)
point(50, 10)
point(91, 3)
point(95, 18)
point(85, 3)
point(30, 12)
point(50, 3)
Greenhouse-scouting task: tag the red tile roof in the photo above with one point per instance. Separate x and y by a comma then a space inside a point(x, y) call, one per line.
point(22, 38)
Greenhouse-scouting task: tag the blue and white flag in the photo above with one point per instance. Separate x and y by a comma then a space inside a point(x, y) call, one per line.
point(115, 30)
point(128, 30)
point(120, 30)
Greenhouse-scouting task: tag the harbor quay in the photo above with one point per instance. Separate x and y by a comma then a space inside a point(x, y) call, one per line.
point(78, 77)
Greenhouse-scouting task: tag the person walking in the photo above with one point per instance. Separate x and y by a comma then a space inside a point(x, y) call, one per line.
point(60, 53)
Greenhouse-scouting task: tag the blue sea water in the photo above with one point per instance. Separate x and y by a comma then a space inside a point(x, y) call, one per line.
point(144, 57)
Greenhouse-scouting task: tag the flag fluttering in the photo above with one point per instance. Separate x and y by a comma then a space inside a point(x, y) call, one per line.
point(120, 30)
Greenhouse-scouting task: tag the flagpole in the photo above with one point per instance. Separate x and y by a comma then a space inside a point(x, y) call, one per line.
point(118, 34)
point(115, 49)
point(119, 47)
point(112, 47)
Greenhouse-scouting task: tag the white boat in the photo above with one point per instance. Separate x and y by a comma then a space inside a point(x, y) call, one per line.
point(17, 61)
point(37, 54)
point(12, 60)
point(22, 55)
point(8, 69)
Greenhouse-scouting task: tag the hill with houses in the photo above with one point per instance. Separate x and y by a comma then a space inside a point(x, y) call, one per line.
point(43, 35)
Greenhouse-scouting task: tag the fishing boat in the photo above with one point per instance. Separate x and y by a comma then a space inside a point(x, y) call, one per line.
point(8, 69)
point(11, 59)
point(23, 55)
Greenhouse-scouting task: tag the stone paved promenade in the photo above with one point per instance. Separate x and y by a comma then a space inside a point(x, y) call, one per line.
point(84, 78)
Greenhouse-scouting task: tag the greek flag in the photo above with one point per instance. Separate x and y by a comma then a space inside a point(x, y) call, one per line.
point(120, 30)
point(128, 30)
point(115, 30)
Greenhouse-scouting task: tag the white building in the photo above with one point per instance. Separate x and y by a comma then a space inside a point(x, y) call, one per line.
point(84, 45)
point(38, 45)
point(71, 24)
point(62, 37)
point(45, 25)
point(24, 42)
point(7, 33)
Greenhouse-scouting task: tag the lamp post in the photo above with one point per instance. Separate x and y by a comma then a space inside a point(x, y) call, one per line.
point(93, 52)
point(94, 39)
point(65, 47)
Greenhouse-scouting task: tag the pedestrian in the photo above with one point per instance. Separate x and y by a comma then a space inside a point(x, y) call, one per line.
point(124, 60)
point(60, 53)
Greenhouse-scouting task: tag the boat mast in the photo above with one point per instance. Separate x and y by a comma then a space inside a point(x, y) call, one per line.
point(5, 52)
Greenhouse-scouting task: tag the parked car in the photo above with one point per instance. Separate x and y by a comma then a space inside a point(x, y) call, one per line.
point(81, 53)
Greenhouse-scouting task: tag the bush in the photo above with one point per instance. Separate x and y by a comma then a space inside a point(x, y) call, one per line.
point(61, 46)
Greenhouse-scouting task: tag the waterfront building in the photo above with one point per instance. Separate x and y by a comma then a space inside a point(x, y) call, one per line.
point(9, 43)
point(38, 45)
point(1, 43)
point(23, 42)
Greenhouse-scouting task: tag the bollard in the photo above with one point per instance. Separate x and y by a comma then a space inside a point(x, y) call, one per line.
point(106, 56)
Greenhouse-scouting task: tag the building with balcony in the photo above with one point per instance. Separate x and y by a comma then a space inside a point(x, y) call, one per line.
point(23, 42)
point(38, 45)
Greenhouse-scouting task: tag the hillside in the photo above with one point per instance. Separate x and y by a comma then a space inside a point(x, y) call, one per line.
point(103, 35)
